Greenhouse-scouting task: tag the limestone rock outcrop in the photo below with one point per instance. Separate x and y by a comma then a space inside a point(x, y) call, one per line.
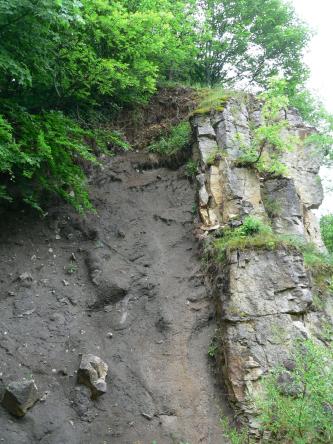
point(263, 296)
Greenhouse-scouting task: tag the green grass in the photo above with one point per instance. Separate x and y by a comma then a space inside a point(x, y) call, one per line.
point(253, 234)
point(177, 140)
point(211, 99)
point(215, 99)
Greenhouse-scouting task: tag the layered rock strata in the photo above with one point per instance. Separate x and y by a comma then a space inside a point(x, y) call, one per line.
point(263, 297)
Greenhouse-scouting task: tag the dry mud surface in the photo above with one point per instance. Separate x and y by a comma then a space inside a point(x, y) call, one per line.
point(133, 272)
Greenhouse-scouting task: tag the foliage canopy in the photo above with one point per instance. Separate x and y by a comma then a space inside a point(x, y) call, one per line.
point(68, 59)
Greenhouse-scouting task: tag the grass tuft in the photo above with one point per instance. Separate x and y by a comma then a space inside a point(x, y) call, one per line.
point(177, 140)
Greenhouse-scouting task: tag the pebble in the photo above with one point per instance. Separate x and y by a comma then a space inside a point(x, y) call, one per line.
point(109, 335)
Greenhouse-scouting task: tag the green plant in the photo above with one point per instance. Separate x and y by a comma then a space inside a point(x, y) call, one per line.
point(215, 156)
point(211, 99)
point(177, 140)
point(268, 142)
point(71, 268)
point(272, 206)
point(253, 233)
point(301, 410)
point(256, 38)
point(191, 168)
point(213, 348)
point(109, 140)
point(41, 154)
point(234, 435)
point(326, 229)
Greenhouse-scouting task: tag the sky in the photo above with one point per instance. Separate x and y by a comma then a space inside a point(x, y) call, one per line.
point(319, 15)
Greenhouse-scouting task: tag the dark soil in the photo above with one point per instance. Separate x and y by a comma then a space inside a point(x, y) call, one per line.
point(144, 124)
point(131, 270)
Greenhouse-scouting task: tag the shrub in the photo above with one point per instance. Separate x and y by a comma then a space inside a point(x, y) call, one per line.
point(302, 411)
point(42, 155)
point(177, 140)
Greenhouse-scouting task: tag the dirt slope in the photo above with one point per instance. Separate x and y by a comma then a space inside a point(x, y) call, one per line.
point(131, 271)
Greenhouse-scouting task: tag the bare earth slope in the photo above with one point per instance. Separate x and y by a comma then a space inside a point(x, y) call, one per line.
point(131, 271)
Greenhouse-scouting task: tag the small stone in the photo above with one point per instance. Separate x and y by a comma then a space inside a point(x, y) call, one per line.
point(289, 364)
point(92, 373)
point(287, 385)
point(58, 237)
point(109, 335)
point(73, 257)
point(43, 398)
point(25, 277)
point(66, 283)
point(145, 415)
point(20, 396)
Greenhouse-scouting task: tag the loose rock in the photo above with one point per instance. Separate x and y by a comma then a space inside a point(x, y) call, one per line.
point(92, 373)
point(20, 396)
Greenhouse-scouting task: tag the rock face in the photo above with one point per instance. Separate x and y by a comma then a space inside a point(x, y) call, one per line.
point(20, 396)
point(228, 190)
point(263, 297)
point(92, 373)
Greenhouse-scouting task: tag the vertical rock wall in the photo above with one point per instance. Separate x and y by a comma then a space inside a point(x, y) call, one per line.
point(264, 298)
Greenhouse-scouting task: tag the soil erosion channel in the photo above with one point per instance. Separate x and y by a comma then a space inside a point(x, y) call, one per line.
point(125, 286)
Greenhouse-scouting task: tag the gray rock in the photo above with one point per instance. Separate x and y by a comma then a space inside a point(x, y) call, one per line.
point(92, 373)
point(287, 385)
point(20, 396)
point(283, 205)
point(261, 297)
point(289, 364)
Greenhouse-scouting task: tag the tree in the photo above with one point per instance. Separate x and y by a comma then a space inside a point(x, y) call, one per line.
point(251, 40)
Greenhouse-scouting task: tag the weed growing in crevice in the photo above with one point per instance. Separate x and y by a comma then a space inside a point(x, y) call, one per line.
point(213, 348)
point(215, 156)
point(191, 168)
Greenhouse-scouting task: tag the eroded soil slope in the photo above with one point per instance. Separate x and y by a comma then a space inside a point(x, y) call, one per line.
point(124, 285)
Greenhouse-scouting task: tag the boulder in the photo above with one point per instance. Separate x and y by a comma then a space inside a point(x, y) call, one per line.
point(92, 373)
point(20, 396)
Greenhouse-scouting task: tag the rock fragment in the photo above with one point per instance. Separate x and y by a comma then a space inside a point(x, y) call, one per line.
point(92, 373)
point(20, 396)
